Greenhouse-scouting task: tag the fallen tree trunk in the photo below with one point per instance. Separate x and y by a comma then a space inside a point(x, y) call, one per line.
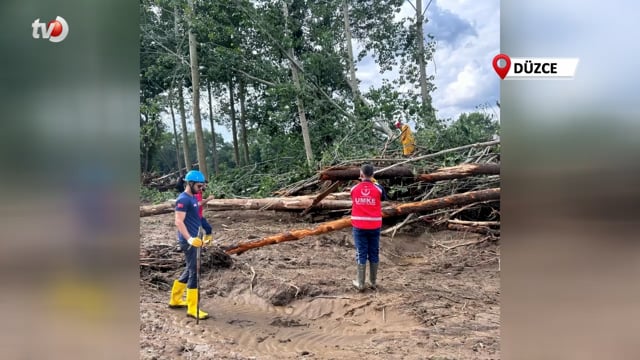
point(460, 171)
point(474, 229)
point(443, 202)
point(164, 208)
point(285, 204)
point(290, 235)
point(427, 205)
point(474, 223)
point(323, 195)
point(163, 187)
point(353, 173)
point(331, 202)
point(488, 143)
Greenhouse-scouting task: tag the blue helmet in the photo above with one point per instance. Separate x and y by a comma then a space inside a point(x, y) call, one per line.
point(195, 176)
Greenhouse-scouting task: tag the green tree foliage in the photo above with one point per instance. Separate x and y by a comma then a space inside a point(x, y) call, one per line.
point(247, 41)
point(470, 128)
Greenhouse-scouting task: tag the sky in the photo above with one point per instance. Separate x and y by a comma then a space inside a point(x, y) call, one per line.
point(467, 35)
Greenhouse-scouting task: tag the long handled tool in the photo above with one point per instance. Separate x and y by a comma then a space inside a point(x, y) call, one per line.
point(200, 231)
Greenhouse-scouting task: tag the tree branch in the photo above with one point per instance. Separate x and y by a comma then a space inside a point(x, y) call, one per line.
point(425, 9)
point(262, 81)
point(488, 143)
point(413, 6)
point(286, 53)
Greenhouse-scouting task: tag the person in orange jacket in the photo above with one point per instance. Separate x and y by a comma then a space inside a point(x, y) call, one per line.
point(406, 138)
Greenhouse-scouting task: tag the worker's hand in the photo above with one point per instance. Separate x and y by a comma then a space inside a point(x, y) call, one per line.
point(211, 197)
point(194, 241)
point(207, 239)
point(373, 180)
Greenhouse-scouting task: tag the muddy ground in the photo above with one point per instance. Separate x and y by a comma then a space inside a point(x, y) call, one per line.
point(294, 300)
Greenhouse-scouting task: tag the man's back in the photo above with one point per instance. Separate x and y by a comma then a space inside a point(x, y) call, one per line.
point(366, 210)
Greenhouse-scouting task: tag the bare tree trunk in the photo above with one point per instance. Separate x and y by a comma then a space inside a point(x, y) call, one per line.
point(303, 119)
point(195, 82)
point(183, 116)
point(321, 196)
point(234, 129)
point(243, 124)
point(145, 156)
point(278, 204)
point(424, 88)
point(175, 132)
point(213, 132)
point(295, 75)
point(185, 133)
point(346, 173)
point(460, 171)
point(353, 81)
point(474, 229)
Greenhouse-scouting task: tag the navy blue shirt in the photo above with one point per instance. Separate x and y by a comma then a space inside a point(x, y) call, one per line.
point(189, 204)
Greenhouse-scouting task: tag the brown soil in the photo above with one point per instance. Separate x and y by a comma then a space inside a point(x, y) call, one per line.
point(295, 300)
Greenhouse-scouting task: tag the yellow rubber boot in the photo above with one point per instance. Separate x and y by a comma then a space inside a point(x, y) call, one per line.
point(192, 301)
point(177, 292)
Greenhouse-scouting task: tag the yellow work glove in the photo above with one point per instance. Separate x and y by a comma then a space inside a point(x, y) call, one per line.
point(373, 180)
point(207, 239)
point(194, 241)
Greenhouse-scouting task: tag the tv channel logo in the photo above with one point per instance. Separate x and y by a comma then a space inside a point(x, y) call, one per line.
point(55, 30)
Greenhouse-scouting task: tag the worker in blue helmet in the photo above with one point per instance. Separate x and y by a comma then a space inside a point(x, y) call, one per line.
point(188, 222)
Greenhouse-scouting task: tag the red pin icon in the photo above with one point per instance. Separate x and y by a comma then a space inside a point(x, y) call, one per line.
point(502, 71)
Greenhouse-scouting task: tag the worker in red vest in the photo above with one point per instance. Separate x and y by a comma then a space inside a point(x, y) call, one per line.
point(366, 220)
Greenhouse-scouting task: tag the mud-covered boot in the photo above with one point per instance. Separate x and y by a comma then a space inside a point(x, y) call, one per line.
point(359, 281)
point(373, 274)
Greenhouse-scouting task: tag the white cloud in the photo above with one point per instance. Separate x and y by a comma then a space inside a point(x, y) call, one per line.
point(464, 88)
point(467, 35)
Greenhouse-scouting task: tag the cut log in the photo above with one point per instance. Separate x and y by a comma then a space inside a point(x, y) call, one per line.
point(460, 171)
point(163, 187)
point(323, 195)
point(488, 143)
point(283, 204)
point(331, 202)
point(474, 223)
point(443, 202)
point(290, 235)
point(427, 205)
point(346, 173)
point(474, 229)
point(164, 208)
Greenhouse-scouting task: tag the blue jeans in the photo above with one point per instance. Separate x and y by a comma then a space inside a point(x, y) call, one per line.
point(367, 245)
point(189, 275)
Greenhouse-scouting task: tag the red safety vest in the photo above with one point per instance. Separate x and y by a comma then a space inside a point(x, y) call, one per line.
point(366, 208)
